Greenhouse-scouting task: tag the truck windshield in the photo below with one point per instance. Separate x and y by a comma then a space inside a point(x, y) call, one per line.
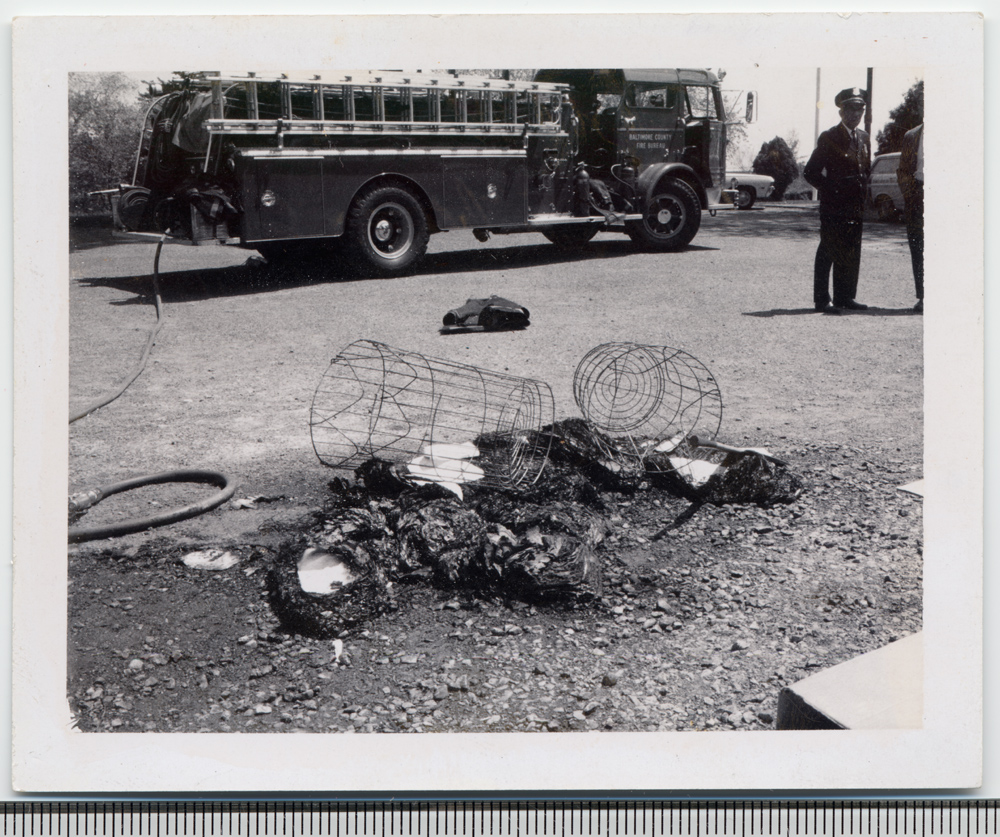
point(701, 103)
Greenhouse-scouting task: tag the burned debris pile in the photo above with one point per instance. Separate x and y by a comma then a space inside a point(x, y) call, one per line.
point(541, 543)
point(464, 480)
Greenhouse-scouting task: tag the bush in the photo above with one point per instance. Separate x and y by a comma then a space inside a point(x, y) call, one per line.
point(777, 159)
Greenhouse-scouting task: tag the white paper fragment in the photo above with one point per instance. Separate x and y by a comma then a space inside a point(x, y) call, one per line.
point(447, 471)
point(338, 649)
point(916, 488)
point(668, 445)
point(211, 559)
point(463, 450)
point(694, 471)
point(322, 573)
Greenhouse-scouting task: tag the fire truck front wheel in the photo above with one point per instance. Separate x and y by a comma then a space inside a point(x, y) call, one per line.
point(671, 218)
point(387, 230)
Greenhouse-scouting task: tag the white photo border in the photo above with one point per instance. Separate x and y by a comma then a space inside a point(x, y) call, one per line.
point(947, 753)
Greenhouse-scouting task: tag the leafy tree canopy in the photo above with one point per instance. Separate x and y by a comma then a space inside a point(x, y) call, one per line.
point(105, 121)
point(905, 116)
point(178, 81)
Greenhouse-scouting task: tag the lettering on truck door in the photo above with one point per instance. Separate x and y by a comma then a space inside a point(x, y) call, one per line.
point(651, 122)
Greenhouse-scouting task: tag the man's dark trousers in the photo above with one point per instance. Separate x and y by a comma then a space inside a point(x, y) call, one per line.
point(839, 248)
point(915, 234)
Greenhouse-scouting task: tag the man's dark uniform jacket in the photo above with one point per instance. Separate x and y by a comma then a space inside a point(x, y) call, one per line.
point(840, 173)
point(839, 169)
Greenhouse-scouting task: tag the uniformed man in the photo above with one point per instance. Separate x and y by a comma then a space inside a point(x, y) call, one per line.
point(839, 169)
point(910, 176)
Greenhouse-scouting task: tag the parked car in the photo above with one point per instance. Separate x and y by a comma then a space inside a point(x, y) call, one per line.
point(750, 186)
point(883, 188)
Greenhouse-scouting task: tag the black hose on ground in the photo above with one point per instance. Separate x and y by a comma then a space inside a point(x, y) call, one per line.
point(145, 352)
point(84, 500)
point(79, 502)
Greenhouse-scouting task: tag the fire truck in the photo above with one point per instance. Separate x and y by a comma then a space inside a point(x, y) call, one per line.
point(366, 165)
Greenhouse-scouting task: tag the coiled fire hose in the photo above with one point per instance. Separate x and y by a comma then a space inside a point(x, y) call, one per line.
point(81, 501)
point(86, 499)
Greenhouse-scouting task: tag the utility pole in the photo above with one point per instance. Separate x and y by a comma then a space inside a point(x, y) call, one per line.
point(816, 127)
point(868, 110)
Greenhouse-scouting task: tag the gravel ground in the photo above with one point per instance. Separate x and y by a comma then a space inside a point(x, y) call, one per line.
point(703, 619)
point(706, 613)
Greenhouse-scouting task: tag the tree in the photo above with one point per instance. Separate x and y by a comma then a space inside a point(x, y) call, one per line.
point(793, 143)
point(777, 159)
point(908, 114)
point(105, 122)
point(737, 139)
point(155, 89)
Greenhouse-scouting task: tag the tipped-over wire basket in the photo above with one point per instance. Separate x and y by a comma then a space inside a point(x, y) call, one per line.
point(446, 422)
point(646, 398)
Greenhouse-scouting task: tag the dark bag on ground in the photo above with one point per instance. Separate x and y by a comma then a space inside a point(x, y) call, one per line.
point(490, 314)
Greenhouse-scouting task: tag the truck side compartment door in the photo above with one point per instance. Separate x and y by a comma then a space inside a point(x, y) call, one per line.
point(483, 191)
point(283, 198)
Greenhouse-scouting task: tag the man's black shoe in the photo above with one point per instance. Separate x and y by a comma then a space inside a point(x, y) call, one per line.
point(830, 309)
point(854, 306)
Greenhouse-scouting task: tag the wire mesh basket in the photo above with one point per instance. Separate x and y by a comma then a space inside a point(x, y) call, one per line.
point(447, 422)
point(647, 398)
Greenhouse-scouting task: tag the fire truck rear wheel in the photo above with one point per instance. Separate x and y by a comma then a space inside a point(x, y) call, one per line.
point(671, 218)
point(571, 236)
point(387, 229)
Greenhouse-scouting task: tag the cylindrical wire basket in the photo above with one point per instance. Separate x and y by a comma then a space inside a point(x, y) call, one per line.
point(447, 422)
point(646, 397)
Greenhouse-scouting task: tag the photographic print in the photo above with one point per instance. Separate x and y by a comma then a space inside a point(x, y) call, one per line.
point(464, 428)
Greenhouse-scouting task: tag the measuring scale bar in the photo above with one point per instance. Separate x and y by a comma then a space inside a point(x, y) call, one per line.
point(885, 818)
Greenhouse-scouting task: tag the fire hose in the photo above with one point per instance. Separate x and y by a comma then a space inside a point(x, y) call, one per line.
point(101, 402)
point(80, 502)
point(86, 499)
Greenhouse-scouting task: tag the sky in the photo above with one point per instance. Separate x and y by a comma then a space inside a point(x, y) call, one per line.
point(786, 99)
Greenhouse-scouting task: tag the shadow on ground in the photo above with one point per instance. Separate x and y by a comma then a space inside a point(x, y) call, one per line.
point(255, 276)
point(871, 312)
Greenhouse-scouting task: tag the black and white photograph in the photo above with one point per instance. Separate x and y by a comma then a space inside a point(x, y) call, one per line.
point(441, 425)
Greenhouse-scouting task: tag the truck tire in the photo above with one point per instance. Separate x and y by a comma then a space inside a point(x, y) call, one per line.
point(387, 230)
point(671, 218)
point(571, 236)
point(746, 198)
